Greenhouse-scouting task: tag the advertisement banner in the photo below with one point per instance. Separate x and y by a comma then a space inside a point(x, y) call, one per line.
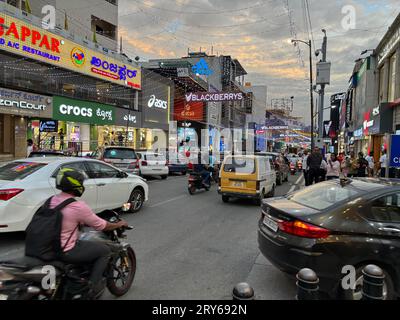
point(214, 97)
point(48, 126)
point(188, 111)
point(128, 118)
point(25, 104)
point(395, 152)
point(24, 39)
point(72, 110)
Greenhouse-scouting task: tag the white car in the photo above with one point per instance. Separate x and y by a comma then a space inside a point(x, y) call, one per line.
point(153, 164)
point(26, 184)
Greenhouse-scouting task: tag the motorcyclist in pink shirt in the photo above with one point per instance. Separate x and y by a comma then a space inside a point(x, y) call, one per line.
point(76, 214)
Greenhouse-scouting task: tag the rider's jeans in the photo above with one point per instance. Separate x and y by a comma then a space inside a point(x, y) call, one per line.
point(90, 252)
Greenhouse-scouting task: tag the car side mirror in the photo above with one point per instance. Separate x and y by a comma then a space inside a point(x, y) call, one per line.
point(122, 175)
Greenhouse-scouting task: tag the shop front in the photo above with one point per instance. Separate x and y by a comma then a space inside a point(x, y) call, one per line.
point(369, 136)
point(156, 101)
point(127, 123)
point(83, 125)
point(18, 110)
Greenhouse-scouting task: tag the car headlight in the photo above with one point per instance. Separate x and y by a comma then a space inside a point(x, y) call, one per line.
point(5, 276)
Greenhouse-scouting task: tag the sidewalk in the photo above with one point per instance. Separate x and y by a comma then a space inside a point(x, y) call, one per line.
point(268, 282)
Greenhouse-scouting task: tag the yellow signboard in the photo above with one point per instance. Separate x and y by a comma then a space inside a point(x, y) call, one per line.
point(24, 39)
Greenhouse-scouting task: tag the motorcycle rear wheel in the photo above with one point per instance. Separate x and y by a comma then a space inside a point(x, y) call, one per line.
point(125, 277)
point(192, 190)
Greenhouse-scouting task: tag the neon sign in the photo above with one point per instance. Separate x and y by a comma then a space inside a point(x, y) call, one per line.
point(201, 68)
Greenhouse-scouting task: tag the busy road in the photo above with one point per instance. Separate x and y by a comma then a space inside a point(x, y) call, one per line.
point(193, 247)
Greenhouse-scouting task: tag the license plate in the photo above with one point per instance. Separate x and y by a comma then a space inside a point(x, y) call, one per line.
point(3, 297)
point(238, 184)
point(271, 224)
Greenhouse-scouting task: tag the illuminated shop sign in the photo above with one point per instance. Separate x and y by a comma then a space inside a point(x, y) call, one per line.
point(202, 68)
point(19, 37)
point(214, 97)
point(25, 104)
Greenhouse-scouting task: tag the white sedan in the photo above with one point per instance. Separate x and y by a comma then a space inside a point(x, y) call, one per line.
point(26, 184)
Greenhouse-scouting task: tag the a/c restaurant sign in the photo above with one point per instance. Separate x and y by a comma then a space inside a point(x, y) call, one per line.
point(27, 40)
point(72, 110)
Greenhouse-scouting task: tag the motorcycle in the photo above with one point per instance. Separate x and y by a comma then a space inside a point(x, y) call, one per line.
point(26, 278)
point(293, 169)
point(300, 166)
point(196, 183)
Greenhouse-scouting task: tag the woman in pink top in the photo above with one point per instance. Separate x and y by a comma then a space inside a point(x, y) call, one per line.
point(78, 213)
point(333, 168)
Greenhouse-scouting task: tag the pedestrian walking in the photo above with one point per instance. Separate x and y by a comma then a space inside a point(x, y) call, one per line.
point(120, 139)
point(314, 162)
point(362, 166)
point(383, 165)
point(353, 165)
point(61, 136)
point(323, 170)
point(371, 164)
point(305, 168)
point(333, 168)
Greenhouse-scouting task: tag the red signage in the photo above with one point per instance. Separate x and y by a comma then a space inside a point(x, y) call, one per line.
point(34, 37)
point(188, 110)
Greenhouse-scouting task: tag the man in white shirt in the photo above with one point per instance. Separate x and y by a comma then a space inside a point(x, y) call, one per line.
point(383, 164)
point(371, 163)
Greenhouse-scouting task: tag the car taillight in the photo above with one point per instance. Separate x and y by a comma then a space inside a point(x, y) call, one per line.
point(304, 230)
point(144, 163)
point(8, 194)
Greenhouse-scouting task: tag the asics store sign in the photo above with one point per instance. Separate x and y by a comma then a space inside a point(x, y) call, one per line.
point(157, 103)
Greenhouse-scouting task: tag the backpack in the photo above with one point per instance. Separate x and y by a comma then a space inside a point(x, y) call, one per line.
point(43, 235)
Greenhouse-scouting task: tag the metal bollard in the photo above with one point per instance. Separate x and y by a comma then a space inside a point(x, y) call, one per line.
point(307, 285)
point(243, 292)
point(373, 279)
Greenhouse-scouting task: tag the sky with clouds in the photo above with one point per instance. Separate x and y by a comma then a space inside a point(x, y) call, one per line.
point(258, 33)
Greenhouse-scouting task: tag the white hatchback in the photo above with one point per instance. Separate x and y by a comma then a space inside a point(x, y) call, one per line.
point(26, 184)
point(153, 164)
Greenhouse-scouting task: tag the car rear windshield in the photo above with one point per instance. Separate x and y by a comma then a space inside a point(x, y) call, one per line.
point(118, 153)
point(324, 195)
point(19, 170)
point(240, 165)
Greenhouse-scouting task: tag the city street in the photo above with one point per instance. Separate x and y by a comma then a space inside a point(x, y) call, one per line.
point(194, 247)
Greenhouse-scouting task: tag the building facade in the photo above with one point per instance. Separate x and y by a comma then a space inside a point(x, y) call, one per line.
point(44, 76)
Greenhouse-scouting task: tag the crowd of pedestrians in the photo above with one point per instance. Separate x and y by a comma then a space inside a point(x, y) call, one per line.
point(317, 167)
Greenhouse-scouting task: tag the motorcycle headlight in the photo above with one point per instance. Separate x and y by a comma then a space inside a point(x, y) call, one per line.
point(5, 276)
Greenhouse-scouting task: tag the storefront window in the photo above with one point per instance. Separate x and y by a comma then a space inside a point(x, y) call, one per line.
point(392, 78)
point(116, 135)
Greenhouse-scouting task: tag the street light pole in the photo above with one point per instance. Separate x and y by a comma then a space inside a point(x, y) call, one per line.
point(322, 92)
point(294, 41)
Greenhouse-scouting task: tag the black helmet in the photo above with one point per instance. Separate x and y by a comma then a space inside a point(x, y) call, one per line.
point(71, 181)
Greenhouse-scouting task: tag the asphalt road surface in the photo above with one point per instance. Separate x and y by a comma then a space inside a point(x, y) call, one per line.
point(193, 247)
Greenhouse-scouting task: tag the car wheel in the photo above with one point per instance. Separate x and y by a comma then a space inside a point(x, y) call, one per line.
point(136, 200)
point(164, 177)
point(262, 196)
point(225, 199)
point(272, 192)
point(388, 287)
point(279, 180)
point(184, 173)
